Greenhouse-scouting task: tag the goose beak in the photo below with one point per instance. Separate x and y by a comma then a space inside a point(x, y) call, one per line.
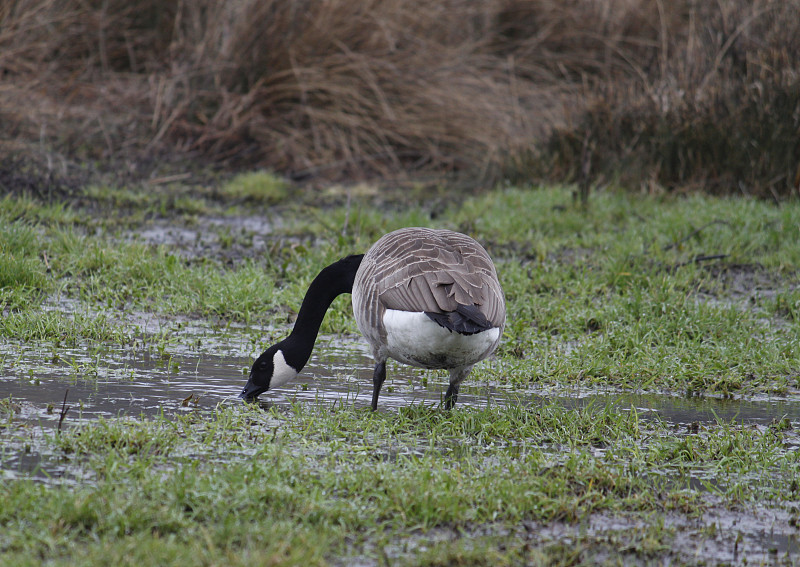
point(250, 392)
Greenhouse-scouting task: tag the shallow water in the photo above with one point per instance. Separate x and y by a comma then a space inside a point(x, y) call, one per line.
point(186, 365)
point(206, 367)
point(143, 380)
point(182, 365)
point(125, 381)
point(236, 236)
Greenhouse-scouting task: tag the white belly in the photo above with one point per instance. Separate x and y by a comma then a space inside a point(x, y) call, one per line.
point(414, 338)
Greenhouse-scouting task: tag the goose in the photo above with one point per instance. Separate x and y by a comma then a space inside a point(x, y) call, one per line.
point(424, 297)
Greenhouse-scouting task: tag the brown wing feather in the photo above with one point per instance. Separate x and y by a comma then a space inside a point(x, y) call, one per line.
point(420, 269)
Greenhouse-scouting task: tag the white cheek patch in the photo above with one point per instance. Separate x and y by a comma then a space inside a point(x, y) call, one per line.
point(282, 372)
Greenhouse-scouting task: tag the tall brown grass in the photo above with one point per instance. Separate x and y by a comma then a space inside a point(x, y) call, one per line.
point(684, 95)
point(646, 93)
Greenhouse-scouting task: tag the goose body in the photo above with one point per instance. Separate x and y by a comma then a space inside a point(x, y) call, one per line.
point(424, 297)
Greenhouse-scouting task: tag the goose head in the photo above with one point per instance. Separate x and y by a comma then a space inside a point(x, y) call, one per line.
point(284, 360)
point(270, 370)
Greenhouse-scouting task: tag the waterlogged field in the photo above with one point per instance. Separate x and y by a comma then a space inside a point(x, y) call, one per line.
point(643, 407)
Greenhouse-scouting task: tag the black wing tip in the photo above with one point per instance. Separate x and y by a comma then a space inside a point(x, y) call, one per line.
point(465, 320)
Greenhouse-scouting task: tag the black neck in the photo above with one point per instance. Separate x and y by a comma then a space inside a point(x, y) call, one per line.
point(330, 283)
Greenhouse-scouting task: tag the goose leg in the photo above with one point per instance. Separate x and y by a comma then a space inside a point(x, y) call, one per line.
point(457, 375)
point(378, 377)
point(451, 397)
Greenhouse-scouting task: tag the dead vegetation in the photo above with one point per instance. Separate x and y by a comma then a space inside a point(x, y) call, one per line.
point(648, 93)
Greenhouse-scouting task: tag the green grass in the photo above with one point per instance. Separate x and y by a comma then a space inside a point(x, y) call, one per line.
point(313, 483)
point(609, 298)
point(62, 328)
point(22, 273)
point(616, 284)
point(257, 186)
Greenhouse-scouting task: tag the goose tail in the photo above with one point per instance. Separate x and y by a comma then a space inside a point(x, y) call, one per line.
point(466, 320)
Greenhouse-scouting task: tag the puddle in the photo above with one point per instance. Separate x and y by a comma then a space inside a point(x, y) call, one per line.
point(179, 365)
point(236, 236)
point(208, 367)
point(138, 381)
point(200, 367)
point(168, 233)
point(754, 536)
point(700, 410)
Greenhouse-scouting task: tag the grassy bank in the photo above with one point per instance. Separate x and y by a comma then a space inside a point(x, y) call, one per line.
point(680, 296)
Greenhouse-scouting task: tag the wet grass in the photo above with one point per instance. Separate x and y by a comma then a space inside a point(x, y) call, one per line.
point(690, 294)
point(686, 295)
point(311, 484)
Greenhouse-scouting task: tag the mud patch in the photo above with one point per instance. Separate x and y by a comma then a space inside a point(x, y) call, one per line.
point(745, 286)
point(227, 239)
point(748, 280)
point(48, 177)
point(751, 535)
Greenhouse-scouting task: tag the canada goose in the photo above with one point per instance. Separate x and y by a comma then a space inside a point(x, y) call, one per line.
point(429, 298)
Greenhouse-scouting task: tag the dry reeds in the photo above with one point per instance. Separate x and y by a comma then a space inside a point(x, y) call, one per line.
point(647, 92)
point(343, 88)
point(675, 95)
